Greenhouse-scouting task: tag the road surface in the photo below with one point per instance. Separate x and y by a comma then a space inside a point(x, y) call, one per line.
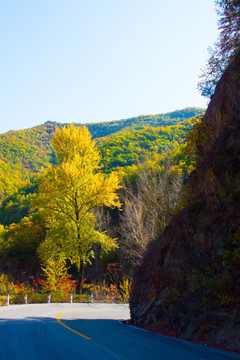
point(87, 331)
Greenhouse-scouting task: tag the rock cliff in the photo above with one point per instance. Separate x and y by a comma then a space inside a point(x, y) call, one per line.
point(188, 284)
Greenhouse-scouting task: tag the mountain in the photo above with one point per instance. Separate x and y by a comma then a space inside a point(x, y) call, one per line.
point(24, 153)
point(131, 146)
point(188, 284)
point(137, 123)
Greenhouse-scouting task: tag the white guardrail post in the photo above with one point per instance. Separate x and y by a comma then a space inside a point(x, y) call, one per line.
point(91, 297)
point(71, 298)
point(7, 299)
point(25, 299)
point(49, 298)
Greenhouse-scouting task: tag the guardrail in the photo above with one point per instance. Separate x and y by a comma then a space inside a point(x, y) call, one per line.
point(8, 299)
point(55, 298)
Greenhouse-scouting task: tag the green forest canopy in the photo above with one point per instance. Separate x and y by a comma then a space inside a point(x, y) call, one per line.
point(24, 153)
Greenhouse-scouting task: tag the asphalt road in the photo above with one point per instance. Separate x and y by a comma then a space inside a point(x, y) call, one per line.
point(87, 331)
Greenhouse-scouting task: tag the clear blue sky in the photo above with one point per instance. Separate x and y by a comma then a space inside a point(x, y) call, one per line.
point(100, 60)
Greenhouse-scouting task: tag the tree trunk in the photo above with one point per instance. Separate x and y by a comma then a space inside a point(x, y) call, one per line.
point(80, 277)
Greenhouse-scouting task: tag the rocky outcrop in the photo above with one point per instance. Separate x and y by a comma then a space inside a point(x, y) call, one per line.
point(188, 284)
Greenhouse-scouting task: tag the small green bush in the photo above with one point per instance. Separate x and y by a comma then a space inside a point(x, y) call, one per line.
point(81, 298)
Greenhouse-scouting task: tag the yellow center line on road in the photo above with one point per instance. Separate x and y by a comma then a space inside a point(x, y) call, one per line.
point(113, 353)
point(76, 332)
point(79, 311)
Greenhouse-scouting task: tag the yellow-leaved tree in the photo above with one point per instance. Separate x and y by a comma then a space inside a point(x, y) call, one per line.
point(68, 194)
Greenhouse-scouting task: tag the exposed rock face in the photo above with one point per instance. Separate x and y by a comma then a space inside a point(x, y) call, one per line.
point(188, 284)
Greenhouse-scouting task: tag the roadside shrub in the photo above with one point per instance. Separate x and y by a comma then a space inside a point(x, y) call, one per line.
point(57, 280)
point(37, 291)
point(81, 298)
point(6, 286)
point(102, 293)
point(125, 287)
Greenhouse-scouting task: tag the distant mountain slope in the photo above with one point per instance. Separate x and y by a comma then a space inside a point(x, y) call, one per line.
point(23, 153)
point(129, 147)
point(138, 123)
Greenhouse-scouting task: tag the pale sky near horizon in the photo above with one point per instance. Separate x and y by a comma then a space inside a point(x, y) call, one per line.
point(100, 60)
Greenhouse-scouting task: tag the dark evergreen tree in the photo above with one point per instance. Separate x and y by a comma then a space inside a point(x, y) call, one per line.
point(225, 48)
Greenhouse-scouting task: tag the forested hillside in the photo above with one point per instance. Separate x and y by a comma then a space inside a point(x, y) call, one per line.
point(131, 147)
point(152, 162)
point(24, 153)
point(172, 118)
